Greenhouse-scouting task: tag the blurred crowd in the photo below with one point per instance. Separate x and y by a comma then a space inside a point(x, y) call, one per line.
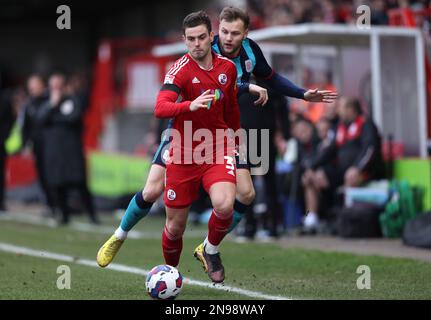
point(49, 115)
point(285, 12)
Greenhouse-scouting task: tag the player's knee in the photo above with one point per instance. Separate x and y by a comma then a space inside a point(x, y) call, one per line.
point(175, 230)
point(223, 205)
point(152, 192)
point(246, 195)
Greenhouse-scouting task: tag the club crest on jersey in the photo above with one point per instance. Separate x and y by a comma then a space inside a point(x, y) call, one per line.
point(222, 78)
point(171, 194)
point(248, 65)
point(169, 79)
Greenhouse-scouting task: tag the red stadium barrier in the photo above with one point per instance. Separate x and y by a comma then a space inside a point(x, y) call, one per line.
point(20, 171)
point(108, 82)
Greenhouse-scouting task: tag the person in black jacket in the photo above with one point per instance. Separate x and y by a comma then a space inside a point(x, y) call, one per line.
point(273, 117)
point(32, 130)
point(63, 157)
point(6, 122)
point(356, 154)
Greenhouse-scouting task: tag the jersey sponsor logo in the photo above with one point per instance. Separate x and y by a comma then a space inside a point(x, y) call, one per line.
point(171, 194)
point(195, 80)
point(248, 65)
point(169, 79)
point(222, 78)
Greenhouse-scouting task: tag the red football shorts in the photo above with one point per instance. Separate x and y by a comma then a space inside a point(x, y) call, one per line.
point(184, 180)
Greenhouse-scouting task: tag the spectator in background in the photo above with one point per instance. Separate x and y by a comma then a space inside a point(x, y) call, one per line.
point(356, 151)
point(32, 131)
point(78, 86)
point(272, 117)
point(324, 132)
point(379, 14)
point(304, 132)
point(331, 114)
point(63, 153)
point(6, 122)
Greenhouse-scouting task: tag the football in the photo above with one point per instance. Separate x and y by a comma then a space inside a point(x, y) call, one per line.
point(164, 282)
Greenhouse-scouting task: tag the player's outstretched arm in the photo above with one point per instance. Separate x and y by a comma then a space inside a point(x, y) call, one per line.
point(315, 95)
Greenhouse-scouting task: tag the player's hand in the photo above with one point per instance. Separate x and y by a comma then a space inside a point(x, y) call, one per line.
point(315, 95)
point(258, 91)
point(202, 101)
point(54, 98)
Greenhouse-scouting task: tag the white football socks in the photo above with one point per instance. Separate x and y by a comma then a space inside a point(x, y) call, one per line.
point(209, 248)
point(121, 234)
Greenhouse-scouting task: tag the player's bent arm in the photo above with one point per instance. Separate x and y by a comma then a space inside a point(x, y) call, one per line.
point(166, 105)
point(243, 87)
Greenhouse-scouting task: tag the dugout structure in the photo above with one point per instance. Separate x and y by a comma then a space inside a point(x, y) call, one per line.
point(383, 66)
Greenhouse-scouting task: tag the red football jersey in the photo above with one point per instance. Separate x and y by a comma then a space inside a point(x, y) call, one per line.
point(188, 80)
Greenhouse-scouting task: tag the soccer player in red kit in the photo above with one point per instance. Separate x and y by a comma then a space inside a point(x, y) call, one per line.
point(206, 83)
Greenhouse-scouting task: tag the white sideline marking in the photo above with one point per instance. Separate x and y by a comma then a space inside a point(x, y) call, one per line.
point(86, 227)
point(6, 247)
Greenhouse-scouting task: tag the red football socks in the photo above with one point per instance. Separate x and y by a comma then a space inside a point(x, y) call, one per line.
point(172, 247)
point(218, 228)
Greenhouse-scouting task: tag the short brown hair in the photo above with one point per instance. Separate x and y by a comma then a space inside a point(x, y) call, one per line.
point(231, 14)
point(195, 19)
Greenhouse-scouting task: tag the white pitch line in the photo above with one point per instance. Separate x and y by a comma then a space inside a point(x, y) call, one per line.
point(10, 248)
point(86, 227)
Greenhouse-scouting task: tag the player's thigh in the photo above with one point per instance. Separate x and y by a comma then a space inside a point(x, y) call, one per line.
point(182, 185)
point(162, 153)
point(219, 181)
point(245, 192)
point(155, 183)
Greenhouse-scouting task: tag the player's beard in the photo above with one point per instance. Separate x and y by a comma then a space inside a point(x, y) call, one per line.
point(200, 55)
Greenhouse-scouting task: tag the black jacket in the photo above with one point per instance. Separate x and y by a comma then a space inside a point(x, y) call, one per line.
point(63, 150)
point(32, 128)
point(6, 116)
point(363, 151)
